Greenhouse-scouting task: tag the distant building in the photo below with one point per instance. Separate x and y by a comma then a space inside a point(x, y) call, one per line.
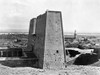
point(75, 35)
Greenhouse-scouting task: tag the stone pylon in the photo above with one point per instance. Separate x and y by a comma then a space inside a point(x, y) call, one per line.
point(46, 40)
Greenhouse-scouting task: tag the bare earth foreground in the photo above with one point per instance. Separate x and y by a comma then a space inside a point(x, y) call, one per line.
point(70, 70)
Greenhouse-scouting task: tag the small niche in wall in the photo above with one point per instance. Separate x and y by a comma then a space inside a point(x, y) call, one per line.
point(34, 35)
point(57, 51)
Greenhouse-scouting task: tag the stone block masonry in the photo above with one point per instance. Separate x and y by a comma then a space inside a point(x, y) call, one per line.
point(46, 40)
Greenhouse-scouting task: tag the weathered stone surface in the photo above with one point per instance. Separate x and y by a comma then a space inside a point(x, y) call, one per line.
point(48, 43)
point(31, 33)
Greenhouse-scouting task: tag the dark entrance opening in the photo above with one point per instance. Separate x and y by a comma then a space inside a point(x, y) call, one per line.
point(86, 59)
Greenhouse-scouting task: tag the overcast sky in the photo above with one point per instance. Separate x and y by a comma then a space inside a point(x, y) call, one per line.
point(80, 15)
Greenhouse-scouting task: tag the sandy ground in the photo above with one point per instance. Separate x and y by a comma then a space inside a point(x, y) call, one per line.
point(70, 70)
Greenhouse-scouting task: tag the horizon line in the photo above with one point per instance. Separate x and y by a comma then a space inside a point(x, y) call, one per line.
point(64, 32)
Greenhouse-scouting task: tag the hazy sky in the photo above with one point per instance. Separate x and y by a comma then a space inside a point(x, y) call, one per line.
point(82, 15)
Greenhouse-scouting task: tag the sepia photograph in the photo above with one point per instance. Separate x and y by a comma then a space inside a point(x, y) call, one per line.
point(49, 37)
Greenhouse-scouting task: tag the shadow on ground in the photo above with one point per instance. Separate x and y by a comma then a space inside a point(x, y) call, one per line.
point(86, 59)
point(19, 63)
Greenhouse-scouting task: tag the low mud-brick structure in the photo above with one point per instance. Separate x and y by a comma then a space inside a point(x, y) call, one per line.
point(46, 41)
point(10, 52)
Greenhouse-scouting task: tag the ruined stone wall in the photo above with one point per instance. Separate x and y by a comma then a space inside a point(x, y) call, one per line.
point(40, 39)
point(31, 37)
point(48, 46)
